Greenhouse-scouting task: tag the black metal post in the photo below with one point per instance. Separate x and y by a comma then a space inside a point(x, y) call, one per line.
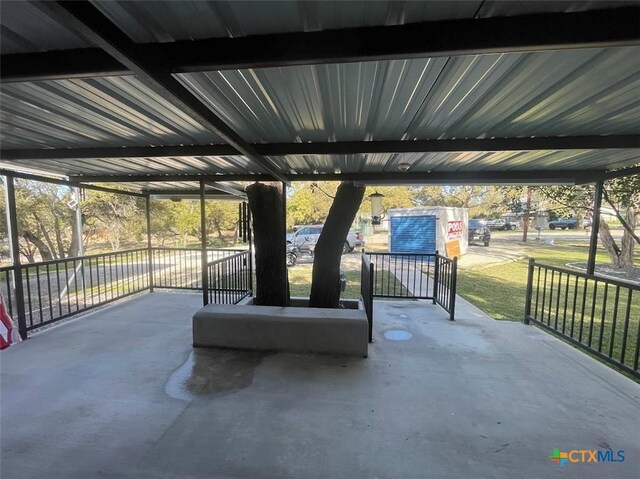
point(149, 249)
point(250, 240)
point(15, 253)
point(203, 235)
point(527, 305)
point(284, 234)
point(595, 226)
point(454, 286)
point(436, 273)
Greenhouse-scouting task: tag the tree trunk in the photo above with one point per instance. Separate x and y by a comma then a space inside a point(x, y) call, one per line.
point(325, 285)
point(268, 215)
point(621, 256)
point(74, 246)
point(609, 243)
point(628, 242)
point(44, 250)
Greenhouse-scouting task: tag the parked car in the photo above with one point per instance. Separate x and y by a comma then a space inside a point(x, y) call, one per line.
point(479, 232)
point(564, 223)
point(501, 225)
point(306, 238)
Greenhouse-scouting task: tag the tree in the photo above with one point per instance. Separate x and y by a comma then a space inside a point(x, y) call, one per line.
point(325, 283)
point(622, 196)
point(118, 217)
point(268, 216)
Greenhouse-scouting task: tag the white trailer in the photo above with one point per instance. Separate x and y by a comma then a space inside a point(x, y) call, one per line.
point(427, 229)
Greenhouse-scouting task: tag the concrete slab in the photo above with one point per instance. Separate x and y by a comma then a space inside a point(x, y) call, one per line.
point(121, 393)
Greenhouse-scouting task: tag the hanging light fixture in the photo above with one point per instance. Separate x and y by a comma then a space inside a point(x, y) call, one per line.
point(376, 207)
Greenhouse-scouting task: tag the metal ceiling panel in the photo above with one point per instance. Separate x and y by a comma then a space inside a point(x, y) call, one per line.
point(585, 92)
point(140, 166)
point(116, 111)
point(160, 21)
point(354, 101)
point(30, 27)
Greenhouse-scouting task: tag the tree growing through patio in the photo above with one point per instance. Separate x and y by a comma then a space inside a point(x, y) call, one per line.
point(268, 215)
point(325, 283)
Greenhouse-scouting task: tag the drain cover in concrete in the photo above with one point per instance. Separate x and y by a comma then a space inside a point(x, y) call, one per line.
point(397, 335)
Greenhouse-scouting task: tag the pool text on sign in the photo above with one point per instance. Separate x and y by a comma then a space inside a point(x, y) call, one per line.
point(454, 229)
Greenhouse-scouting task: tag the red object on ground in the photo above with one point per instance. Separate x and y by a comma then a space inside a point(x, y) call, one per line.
point(8, 333)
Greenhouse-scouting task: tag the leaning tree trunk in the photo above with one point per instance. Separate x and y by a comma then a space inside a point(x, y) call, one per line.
point(621, 256)
point(609, 243)
point(325, 285)
point(45, 252)
point(628, 242)
point(268, 215)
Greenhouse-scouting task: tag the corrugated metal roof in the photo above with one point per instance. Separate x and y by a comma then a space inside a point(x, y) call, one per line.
point(585, 92)
point(30, 26)
point(118, 111)
point(158, 21)
point(142, 166)
point(467, 161)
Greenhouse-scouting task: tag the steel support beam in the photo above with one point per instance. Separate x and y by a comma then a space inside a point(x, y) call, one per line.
point(338, 148)
point(203, 239)
point(89, 22)
point(409, 177)
point(595, 227)
point(227, 188)
point(525, 33)
point(15, 255)
point(69, 183)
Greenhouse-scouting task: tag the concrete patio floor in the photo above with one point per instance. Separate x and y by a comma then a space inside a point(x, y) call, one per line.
point(121, 393)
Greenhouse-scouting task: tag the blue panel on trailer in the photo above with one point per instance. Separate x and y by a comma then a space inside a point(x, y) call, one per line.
point(413, 234)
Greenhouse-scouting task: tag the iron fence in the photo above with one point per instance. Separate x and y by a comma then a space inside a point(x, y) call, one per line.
point(56, 289)
point(181, 268)
point(598, 314)
point(415, 276)
point(445, 281)
point(230, 278)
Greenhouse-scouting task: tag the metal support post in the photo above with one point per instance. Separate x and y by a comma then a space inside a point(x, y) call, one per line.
point(149, 248)
point(595, 226)
point(203, 236)
point(15, 255)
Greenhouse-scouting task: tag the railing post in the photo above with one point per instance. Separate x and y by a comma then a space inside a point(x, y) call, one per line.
point(15, 254)
point(527, 304)
point(452, 291)
point(203, 237)
point(436, 274)
point(149, 249)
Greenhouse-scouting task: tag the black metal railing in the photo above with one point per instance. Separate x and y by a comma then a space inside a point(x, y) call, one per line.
point(181, 268)
point(415, 276)
point(445, 281)
point(56, 289)
point(598, 314)
point(230, 278)
point(367, 282)
point(50, 291)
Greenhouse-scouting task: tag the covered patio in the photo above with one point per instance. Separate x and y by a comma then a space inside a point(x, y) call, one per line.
point(186, 99)
point(121, 393)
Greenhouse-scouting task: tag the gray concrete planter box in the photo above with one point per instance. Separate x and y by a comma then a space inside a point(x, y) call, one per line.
point(296, 328)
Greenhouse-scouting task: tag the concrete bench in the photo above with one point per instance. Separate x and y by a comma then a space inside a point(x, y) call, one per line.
point(274, 328)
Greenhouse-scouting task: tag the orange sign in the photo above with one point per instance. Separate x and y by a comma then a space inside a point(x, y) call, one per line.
point(453, 249)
